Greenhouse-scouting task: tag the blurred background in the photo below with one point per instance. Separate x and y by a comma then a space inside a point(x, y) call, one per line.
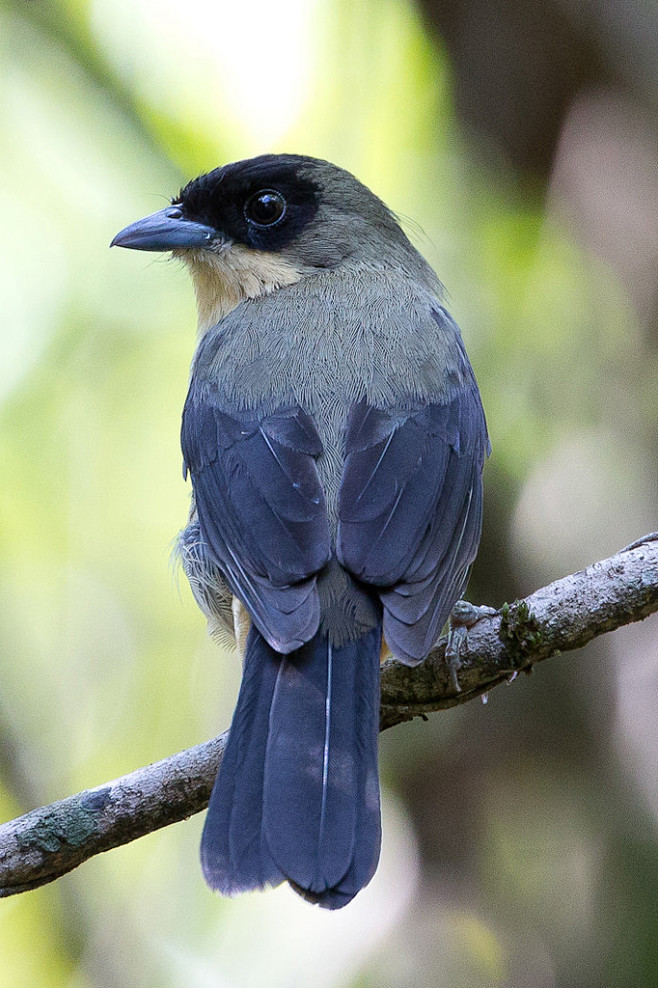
point(517, 142)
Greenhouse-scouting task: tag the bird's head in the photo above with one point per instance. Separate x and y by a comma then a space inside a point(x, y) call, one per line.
point(254, 226)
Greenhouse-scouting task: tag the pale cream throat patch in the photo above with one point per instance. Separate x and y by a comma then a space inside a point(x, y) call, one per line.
point(224, 278)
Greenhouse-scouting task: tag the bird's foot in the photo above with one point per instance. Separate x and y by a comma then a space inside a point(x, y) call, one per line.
point(462, 617)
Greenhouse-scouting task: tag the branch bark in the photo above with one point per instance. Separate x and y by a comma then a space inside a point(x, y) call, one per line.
point(48, 842)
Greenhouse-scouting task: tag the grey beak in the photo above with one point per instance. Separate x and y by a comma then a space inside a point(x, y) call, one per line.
point(165, 230)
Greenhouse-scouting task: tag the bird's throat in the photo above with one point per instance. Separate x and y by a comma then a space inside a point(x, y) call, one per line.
point(224, 279)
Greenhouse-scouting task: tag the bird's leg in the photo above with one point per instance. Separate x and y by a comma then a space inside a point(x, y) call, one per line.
point(241, 625)
point(462, 617)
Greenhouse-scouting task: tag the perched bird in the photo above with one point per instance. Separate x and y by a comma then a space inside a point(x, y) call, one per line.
point(335, 439)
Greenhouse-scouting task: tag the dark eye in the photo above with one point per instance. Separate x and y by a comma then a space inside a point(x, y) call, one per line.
point(265, 208)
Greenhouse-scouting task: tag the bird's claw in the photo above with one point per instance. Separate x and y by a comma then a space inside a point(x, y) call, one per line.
point(462, 617)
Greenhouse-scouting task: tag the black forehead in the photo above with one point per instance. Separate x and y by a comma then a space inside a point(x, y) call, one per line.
point(218, 197)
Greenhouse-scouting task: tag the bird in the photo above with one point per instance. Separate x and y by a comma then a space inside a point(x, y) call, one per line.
point(335, 439)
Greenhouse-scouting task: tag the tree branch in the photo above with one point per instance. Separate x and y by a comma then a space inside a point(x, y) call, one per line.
point(48, 842)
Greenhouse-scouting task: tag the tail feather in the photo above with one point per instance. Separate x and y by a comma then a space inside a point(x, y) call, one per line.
point(368, 815)
point(298, 798)
point(368, 821)
point(234, 855)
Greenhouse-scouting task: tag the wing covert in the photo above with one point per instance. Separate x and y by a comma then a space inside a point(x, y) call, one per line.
point(261, 511)
point(410, 510)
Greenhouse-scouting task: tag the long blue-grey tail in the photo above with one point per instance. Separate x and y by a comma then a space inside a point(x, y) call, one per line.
point(297, 794)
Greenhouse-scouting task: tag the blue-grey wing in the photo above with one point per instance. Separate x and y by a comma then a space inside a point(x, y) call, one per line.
point(261, 511)
point(410, 509)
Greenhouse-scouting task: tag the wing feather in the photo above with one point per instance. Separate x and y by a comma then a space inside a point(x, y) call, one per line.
point(410, 510)
point(261, 511)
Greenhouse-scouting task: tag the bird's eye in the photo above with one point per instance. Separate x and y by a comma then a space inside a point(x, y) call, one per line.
point(265, 208)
